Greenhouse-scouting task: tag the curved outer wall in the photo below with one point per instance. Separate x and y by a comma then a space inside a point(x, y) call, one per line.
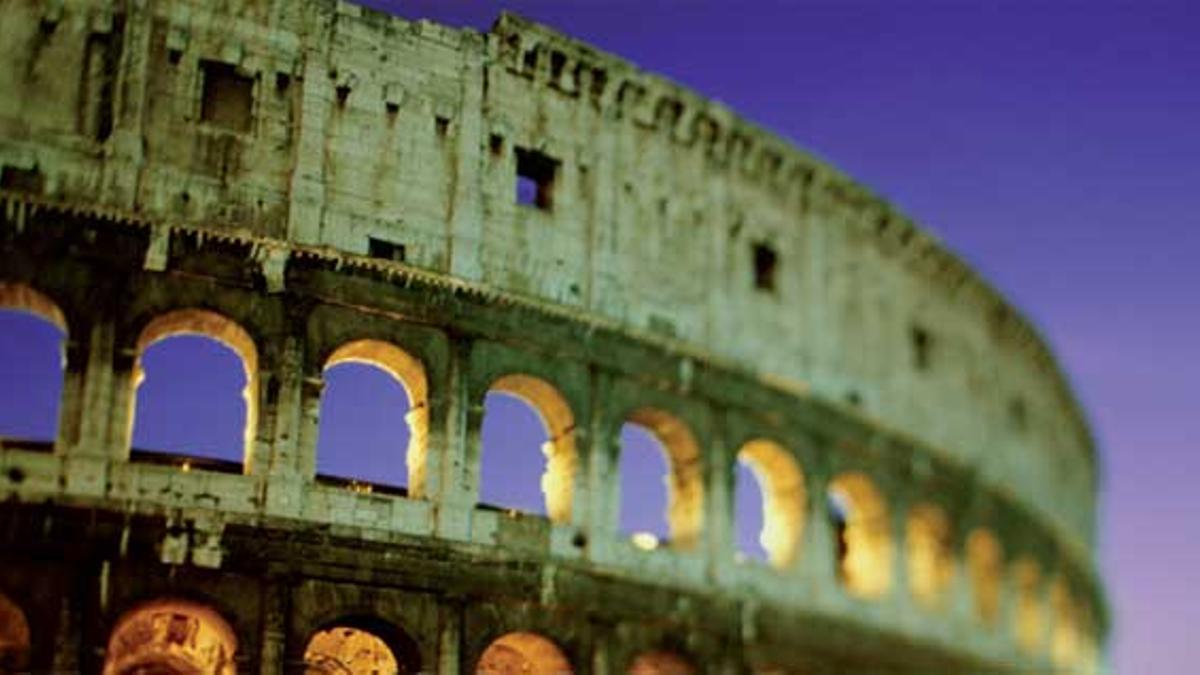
point(366, 127)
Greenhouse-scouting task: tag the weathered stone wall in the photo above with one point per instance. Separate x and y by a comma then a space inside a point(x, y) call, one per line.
point(364, 126)
point(316, 173)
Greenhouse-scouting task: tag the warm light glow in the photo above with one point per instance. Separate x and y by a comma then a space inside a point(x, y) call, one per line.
point(644, 540)
point(930, 555)
point(409, 372)
point(558, 481)
point(865, 566)
point(784, 499)
point(343, 650)
point(171, 636)
point(523, 654)
point(14, 636)
point(1029, 619)
point(217, 327)
point(985, 562)
point(685, 480)
point(660, 663)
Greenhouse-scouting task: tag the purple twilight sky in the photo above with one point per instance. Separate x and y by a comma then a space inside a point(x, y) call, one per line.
point(1056, 146)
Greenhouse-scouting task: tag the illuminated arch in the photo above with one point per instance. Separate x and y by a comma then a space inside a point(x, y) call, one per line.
point(1029, 618)
point(208, 324)
point(784, 498)
point(929, 554)
point(171, 635)
point(523, 654)
point(23, 299)
point(863, 535)
point(660, 663)
point(14, 637)
point(364, 645)
point(685, 476)
point(1065, 638)
point(558, 480)
point(409, 372)
point(985, 562)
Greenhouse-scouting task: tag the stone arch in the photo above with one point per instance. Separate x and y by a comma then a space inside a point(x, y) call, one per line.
point(523, 653)
point(985, 563)
point(685, 475)
point(171, 635)
point(1029, 620)
point(558, 480)
point(14, 637)
point(20, 298)
point(784, 498)
point(361, 644)
point(212, 325)
point(929, 555)
point(410, 373)
point(660, 663)
point(863, 535)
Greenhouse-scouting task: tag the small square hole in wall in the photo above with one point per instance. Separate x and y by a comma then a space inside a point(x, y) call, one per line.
point(535, 179)
point(228, 96)
point(385, 250)
point(442, 126)
point(496, 145)
point(766, 264)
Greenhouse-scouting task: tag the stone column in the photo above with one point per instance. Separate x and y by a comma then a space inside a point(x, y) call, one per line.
point(283, 419)
point(454, 446)
point(719, 521)
point(602, 477)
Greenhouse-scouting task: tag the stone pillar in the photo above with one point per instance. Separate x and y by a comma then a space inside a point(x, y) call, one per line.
point(719, 521)
point(274, 628)
point(454, 445)
point(283, 417)
point(602, 477)
point(449, 655)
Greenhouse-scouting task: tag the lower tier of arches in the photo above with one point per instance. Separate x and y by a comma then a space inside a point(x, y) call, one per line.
point(98, 594)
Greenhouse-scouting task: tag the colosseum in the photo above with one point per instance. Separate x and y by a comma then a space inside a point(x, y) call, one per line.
point(315, 183)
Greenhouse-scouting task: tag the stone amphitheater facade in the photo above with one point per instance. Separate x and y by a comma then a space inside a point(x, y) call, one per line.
point(313, 182)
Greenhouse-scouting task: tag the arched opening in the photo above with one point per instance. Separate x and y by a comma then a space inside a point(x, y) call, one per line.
point(986, 564)
point(1065, 647)
point(32, 340)
point(171, 636)
point(930, 555)
point(528, 456)
point(523, 654)
point(777, 485)
point(360, 646)
point(1029, 619)
point(660, 663)
point(196, 392)
point(662, 484)
point(374, 418)
point(862, 536)
point(14, 637)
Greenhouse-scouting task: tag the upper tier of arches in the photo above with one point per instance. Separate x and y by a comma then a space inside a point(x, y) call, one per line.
point(652, 209)
point(867, 514)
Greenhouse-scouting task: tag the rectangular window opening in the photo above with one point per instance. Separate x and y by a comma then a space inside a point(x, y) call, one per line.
point(535, 179)
point(228, 96)
point(922, 347)
point(385, 250)
point(766, 264)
